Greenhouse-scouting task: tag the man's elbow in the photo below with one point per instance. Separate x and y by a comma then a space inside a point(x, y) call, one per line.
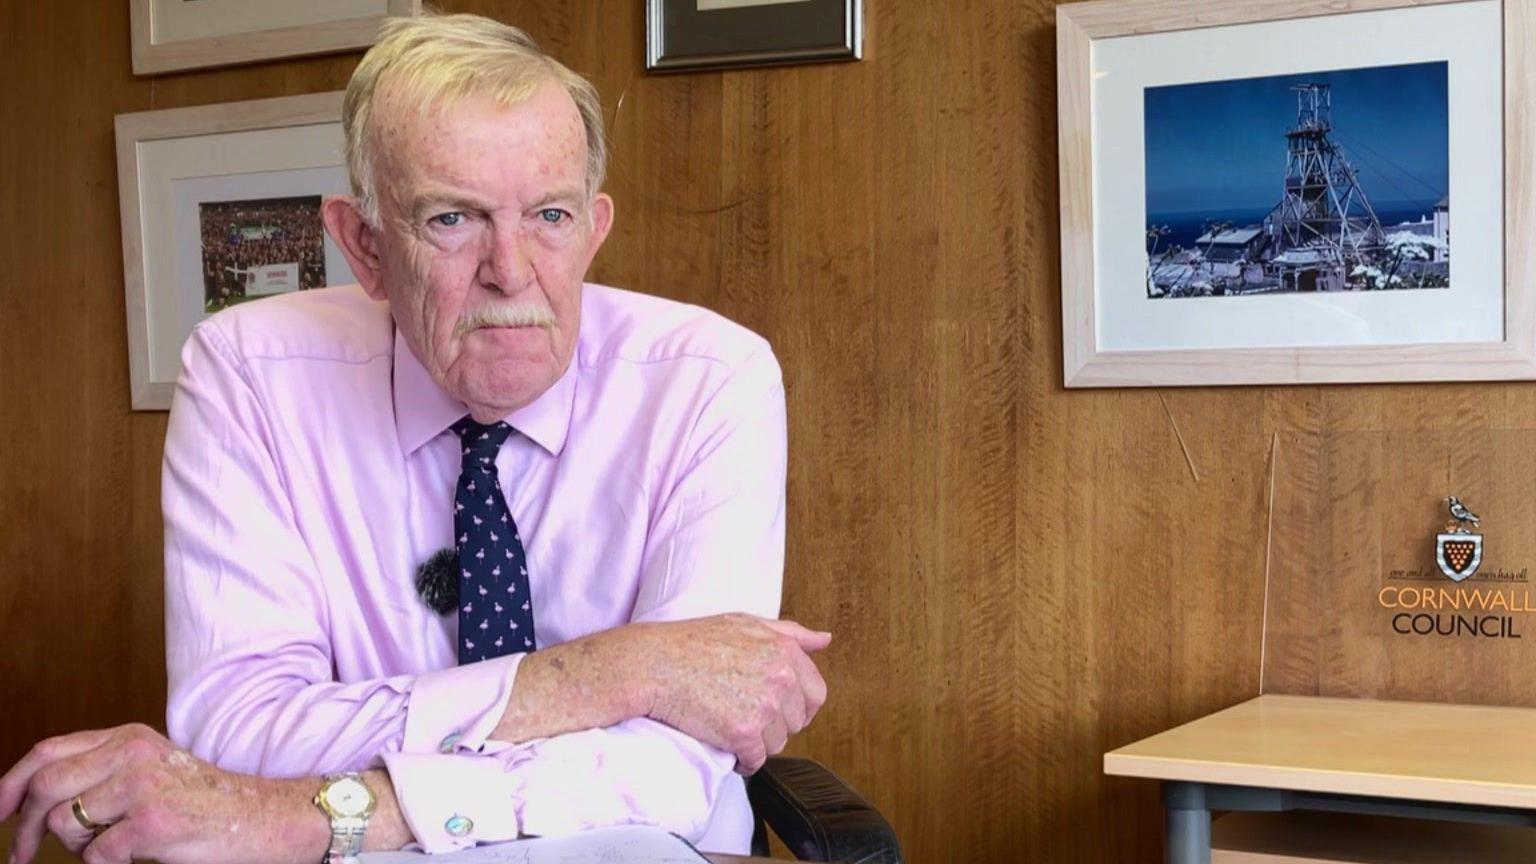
point(243, 737)
point(200, 732)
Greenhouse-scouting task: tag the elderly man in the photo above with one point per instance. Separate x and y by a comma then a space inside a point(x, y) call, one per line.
point(598, 474)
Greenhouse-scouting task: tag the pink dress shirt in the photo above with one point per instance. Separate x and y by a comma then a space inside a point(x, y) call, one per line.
point(310, 469)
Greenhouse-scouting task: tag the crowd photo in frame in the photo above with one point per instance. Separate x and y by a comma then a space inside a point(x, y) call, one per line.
point(221, 206)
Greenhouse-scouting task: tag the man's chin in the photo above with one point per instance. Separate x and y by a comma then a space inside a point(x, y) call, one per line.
point(515, 371)
point(500, 395)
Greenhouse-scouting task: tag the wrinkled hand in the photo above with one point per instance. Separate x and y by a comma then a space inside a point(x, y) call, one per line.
point(156, 801)
point(737, 682)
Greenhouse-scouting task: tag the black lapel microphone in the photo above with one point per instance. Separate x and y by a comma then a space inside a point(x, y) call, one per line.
point(437, 581)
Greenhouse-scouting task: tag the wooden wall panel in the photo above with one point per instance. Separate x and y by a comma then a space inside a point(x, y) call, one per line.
point(1019, 577)
point(79, 596)
point(1377, 507)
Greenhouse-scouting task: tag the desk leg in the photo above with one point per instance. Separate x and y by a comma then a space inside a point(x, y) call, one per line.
point(1189, 823)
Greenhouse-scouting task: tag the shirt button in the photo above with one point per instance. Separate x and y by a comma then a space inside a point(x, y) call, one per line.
point(459, 826)
point(449, 743)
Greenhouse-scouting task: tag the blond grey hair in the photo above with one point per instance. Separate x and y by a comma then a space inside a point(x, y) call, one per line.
point(434, 60)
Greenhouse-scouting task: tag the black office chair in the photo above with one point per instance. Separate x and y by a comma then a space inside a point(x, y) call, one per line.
point(817, 815)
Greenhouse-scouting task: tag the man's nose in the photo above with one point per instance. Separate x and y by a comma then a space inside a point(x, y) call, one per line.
point(505, 264)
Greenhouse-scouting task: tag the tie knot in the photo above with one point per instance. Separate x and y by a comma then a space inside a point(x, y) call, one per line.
point(481, 442)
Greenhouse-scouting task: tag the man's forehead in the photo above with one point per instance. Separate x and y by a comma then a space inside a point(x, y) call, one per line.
point(546, 106)
point(454, 143)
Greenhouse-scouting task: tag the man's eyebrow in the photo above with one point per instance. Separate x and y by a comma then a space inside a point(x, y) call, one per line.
point(574, 195)
point(440, 202)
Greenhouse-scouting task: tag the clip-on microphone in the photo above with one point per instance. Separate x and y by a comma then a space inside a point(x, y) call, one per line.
point(437, 581)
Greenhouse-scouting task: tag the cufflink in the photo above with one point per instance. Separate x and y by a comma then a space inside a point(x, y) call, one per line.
point(449, 742)
point(458, 826)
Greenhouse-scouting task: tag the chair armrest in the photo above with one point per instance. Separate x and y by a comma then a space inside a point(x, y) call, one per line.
point(818, 816)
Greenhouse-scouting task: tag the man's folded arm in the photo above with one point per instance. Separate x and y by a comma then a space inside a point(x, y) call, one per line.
point(717, 546)
point(636, 772)
point(252, 681)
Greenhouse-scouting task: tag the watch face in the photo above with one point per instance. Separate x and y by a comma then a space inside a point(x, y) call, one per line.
point(348, 797)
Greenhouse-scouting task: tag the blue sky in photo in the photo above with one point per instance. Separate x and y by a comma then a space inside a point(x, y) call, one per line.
point(1220, 146)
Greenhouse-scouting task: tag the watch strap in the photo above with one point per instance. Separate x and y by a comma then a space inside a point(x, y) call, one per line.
point(346, 829)
point(346, 840)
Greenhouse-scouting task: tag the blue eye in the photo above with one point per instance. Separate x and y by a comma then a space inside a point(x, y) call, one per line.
point(552, 215)
point(448, 220)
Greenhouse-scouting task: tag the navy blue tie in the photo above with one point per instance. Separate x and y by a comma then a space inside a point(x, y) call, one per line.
point(495, 615)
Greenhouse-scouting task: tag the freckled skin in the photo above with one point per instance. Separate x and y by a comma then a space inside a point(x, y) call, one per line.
point(157, 802)
point(483, 205)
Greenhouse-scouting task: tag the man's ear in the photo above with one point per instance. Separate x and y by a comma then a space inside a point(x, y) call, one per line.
point(343, 215)
point(601, 211)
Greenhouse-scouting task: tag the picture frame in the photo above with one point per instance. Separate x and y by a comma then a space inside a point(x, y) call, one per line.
point(690, 35)
point(1290, 297)
point(172, 35)
point(220, 205)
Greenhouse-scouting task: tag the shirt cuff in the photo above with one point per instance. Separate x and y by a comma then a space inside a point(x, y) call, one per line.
point(455, 710)
point(453, 802)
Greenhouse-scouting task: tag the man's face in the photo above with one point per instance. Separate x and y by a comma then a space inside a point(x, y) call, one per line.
point(486, 232)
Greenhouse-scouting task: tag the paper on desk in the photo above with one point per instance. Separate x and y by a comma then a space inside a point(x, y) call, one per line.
point(625, 844)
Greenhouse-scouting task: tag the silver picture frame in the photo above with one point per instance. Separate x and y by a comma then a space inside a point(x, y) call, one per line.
point(689, 35)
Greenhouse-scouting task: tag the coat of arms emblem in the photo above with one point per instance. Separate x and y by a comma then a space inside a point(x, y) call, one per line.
point(1458, 551)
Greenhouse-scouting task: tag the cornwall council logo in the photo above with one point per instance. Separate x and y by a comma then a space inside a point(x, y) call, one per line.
point(1458, 551)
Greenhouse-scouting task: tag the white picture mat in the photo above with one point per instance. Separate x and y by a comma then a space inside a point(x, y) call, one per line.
point(1466, 35)
point(264, 163)
point(179, 20)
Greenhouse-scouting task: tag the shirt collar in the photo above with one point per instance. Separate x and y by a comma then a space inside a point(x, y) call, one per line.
point(424, 410)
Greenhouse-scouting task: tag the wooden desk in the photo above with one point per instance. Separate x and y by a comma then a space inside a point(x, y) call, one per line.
point(1304, 837)
point(1457, 762)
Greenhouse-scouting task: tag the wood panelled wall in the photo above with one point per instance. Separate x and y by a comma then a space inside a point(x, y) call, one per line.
point(1019, 577)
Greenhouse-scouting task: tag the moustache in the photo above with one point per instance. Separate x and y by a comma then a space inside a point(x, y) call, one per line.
point(511, 315)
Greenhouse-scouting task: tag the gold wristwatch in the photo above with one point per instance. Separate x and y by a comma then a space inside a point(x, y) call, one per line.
point(348, 802)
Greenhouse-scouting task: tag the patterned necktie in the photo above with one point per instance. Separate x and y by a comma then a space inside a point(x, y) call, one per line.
point(495, 616)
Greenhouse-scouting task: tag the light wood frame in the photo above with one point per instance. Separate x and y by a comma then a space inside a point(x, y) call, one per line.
point(135, 129)
point(1084, 365)
point(151, 57)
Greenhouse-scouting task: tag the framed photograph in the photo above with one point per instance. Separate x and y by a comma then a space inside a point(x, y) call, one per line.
point(221, 206)
point(715, 34)
point(1266, 192)
point(188, 34)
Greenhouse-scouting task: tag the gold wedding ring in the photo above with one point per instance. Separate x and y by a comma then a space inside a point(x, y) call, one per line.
point(84, 820)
